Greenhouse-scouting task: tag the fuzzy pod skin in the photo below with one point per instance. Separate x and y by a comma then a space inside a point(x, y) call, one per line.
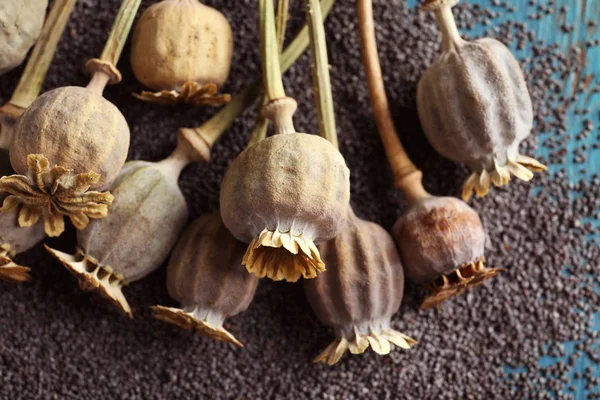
point(21, 22)
point(181, 41)
point(475, 108)
point(360, 291)
point(205, 275)
point(286, 193)
point(73, 127)
point(147, 215)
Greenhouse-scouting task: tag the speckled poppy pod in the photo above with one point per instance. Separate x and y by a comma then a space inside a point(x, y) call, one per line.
point(14, 240)
point(69, 144)
point(360, 291)
point(442, 242)
point(148, 213)
point(20, 25)
point(475, 108)
point(285, 193)
point(182, 49)
point(206, 277)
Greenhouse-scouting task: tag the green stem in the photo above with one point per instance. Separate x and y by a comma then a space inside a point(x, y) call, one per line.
point(320, 72)
point(119, 31)
point(259, 131)
point(212, 129)
point(269, 51)
point(31, 81)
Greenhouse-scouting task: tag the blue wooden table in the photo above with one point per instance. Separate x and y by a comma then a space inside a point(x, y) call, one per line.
point(566, 26)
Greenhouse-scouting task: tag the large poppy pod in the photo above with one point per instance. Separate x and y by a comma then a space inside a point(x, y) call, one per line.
point(475, 108)
point(360, 291)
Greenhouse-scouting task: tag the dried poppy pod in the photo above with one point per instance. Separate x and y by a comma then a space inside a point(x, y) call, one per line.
point(182, 49)
point(360, 291)
point(206, 277)
point(20, 25)
point(14, 240)
point(147, 215)
point(69, 143)
point(441, 239)
point(475, 108)
point(282, 195)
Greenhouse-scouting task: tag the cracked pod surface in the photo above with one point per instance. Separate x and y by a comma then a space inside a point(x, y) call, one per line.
point(475, 108)
point(146, 217)
point(14, 240)
point(73, 127)
point(182, 48)
point(20, 25)
point(205, 275)
point(442, 243)
point(360, 291)
point(282, 195)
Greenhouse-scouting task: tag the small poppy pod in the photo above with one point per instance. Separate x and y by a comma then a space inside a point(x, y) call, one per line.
point(183, 49)
point(282, 195)
point(14, 240)
point(20, 25)
point(441, 241)
point(148, 213)
point(360, 291)
point(474, 107)
point(206, 277)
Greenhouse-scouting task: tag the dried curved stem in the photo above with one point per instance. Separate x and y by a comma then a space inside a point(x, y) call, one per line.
point(407, 176)
point(320, 72)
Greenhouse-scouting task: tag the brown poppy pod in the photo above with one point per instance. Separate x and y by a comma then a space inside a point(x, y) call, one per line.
point(21, 22)
point(14, 240)
point(360, 291)
point(282, 195)
point(183, 49)
point(442, 243)
point(206, 277)
point(76, 128)
point(474, 107)
point(147, 215)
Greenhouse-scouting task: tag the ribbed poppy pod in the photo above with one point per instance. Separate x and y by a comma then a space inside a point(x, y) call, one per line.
point(360, 291)
point(206, 277)
point(282, 195)
point(475, 108)
point(148, 213)
point(20, 25)
point(182, 49)
point(442, 243)
point(14, 240)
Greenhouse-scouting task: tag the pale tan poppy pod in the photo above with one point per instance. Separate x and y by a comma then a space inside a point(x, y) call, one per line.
point(14, 240)
point(21, 22)
point(442, 243)
point(282, 195)
point(182, 49)
point(475, 108)
point(146, 217)
point(360, 291)
point(205, 275)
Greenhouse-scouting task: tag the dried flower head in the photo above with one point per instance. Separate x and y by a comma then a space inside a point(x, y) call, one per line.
point(52, 193)
point(182, 49)
point(206, 277)
point(475, 108)
point(20, 25)
point(282, 195)
point(360, 291)
point(441, 241)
